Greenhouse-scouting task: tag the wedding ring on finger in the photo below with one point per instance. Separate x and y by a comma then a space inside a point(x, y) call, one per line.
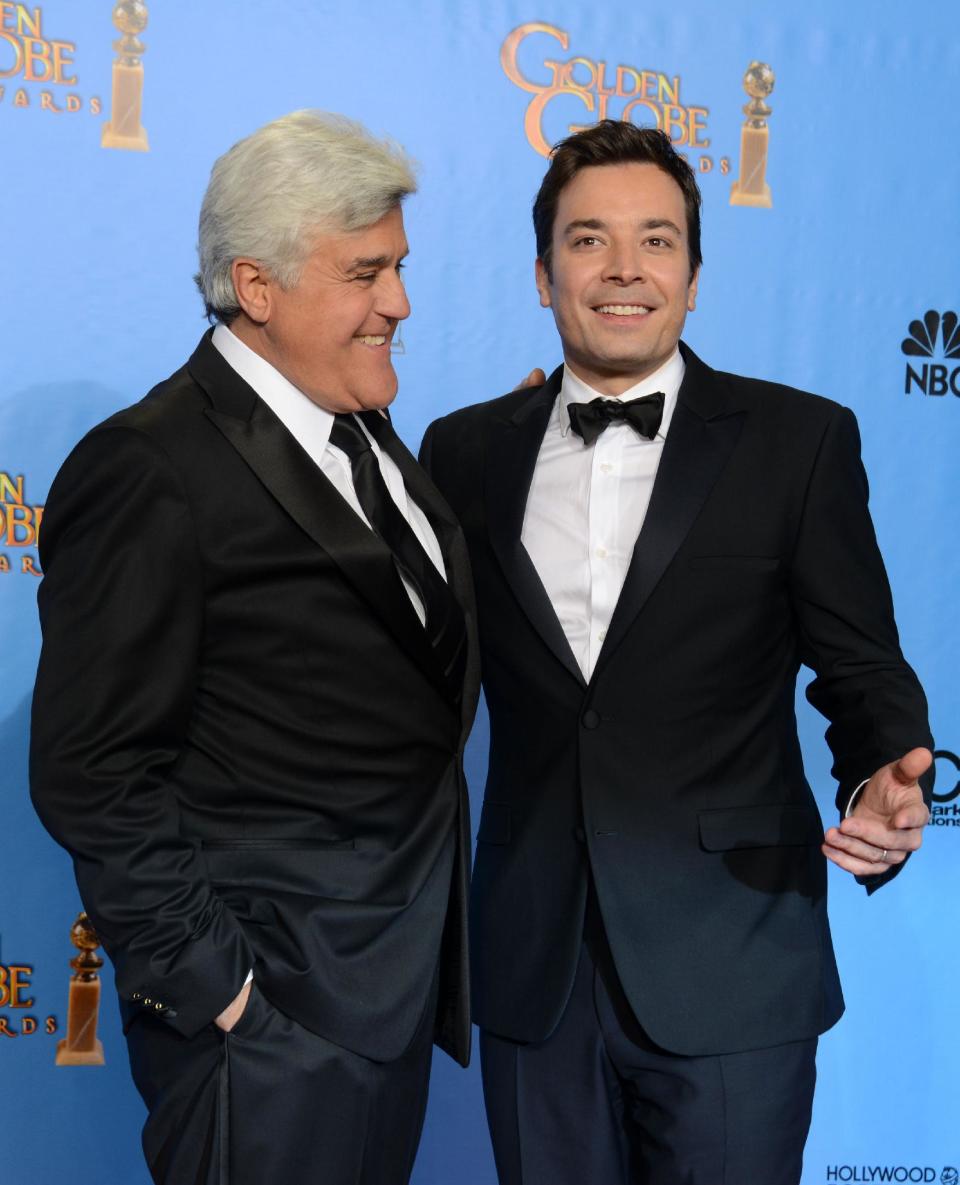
point(883, 857)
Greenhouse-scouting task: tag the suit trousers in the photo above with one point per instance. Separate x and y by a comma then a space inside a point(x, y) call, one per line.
point(599, 1102)
point(272, 1102)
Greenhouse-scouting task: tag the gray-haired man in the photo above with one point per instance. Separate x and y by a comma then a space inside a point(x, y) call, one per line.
point(257, 677)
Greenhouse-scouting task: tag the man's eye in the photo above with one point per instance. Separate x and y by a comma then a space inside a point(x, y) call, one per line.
point(657, 241)
point(585, 241)
point(400, 267)
point(368, 277)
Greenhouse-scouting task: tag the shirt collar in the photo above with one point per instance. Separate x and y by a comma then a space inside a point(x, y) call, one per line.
point(298, 413)
point(666, 378)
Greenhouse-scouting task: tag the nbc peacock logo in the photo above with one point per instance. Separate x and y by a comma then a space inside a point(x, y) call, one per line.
point(936, 333)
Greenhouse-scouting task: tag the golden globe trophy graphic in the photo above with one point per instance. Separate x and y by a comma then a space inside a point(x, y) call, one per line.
point(80, 1047)
point(751, 188)
point(124, 129)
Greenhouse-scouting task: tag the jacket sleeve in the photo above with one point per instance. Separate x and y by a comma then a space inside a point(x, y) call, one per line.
point(841, 597)
point(121, 610)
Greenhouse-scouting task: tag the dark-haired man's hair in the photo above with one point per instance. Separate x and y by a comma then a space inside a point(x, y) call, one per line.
point(613, 142)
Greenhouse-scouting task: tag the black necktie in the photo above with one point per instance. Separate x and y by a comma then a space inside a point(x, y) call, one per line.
point(444, 619)
point(643, 415)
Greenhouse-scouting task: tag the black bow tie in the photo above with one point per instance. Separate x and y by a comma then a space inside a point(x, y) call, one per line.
point(643, 415)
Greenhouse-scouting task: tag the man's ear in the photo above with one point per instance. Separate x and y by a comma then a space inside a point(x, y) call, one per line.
point(543, 284)
point(692, 292)
point(254, 288)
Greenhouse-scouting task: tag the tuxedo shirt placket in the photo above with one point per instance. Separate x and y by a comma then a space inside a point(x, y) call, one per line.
point(586, 507)
point(611, 480)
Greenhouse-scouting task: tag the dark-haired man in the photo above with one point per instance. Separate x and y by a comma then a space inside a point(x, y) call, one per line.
point(657, 548)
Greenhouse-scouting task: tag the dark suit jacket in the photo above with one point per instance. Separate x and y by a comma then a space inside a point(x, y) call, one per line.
point(239, 729)
point(675, 774)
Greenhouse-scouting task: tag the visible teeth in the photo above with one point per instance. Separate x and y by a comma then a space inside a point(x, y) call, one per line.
point(370, 339)
point(623, 310)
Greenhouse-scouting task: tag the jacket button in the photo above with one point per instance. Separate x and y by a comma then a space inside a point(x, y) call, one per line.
point(591, 719)
point(148, 1001)
point(138, 995)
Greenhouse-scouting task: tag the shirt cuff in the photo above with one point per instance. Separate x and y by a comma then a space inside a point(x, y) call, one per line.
point(846, 814)
point(249, 978)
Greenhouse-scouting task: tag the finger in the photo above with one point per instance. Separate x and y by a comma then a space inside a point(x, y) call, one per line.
point(851, 864)
point(869, 853)
point(915, 816)
point(893, 837)
point(912, 765)
point(875, 832)
point(910, 818)
point(535, 378)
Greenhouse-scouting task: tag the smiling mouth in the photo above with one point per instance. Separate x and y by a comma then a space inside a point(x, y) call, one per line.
point(623, 310)
point(371, 339)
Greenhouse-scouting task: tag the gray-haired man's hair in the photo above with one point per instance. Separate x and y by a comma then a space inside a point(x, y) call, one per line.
point(309, 173)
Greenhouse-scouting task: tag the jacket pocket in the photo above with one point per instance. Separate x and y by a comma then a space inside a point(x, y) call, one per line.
point(494, 823)
point(768, 825)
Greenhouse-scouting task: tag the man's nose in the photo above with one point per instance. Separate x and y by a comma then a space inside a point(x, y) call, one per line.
point(393, 301)
point(625, 263)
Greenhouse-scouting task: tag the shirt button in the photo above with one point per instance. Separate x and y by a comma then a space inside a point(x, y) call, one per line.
point(606, 467)
point(601, 553)
point(601, 635)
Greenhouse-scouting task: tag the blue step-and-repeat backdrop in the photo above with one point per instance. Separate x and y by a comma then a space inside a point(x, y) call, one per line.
point(845, 284)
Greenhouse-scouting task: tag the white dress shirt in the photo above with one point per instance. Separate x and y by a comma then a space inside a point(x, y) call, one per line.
point(310, 425)
point(586, 506)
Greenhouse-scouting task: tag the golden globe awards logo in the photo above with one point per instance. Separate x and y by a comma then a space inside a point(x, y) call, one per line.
point(39, 71)
point(19, 527)
point(18, 1004)
point(599, 90)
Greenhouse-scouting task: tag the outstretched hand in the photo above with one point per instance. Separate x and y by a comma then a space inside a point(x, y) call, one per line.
point(888, 821)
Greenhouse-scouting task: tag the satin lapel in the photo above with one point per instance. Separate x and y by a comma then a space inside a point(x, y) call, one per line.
point(314, 504)
point(511, 456)
point(454, 547)
point(704, 430)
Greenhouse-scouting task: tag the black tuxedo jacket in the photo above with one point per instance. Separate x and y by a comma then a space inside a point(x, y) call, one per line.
point(239, 729)
point(675, 774)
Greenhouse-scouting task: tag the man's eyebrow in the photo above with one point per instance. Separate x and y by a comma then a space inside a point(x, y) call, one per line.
point(363, 262)
point(584, 224)
point(366, 262)
point(657, 223)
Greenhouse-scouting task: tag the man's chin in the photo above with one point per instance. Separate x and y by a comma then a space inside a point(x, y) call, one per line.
point(376, 400)
point(383, 396)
